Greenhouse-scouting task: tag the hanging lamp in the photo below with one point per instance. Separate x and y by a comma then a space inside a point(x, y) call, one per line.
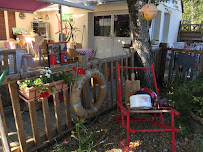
point(148, 11)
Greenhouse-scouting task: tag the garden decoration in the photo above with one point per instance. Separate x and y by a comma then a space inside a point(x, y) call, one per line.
point(149, 11)
point(79, 110)
point(47, 84)
point(123, 114)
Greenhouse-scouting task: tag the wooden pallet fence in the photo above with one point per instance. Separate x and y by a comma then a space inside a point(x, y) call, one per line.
point(174, 67)
point(107, 66)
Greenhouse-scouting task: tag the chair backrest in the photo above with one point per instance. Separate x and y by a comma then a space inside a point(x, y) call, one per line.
point(119, 97)
point(72, 53)
point(11, 40)
point(44, 46)
point(22, 43)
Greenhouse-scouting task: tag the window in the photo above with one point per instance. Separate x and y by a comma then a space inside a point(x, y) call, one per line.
point(121, 25)
point(102, 25)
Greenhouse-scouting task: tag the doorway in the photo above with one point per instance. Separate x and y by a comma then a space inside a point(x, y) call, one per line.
point(111, 32)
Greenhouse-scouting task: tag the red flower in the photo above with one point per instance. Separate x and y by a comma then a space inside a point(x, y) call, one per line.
point(80, 71)
point(41, 95)
point(46, 94)
point(125, 149)
point(122, 142)
point(74, 68)
point(84, 72)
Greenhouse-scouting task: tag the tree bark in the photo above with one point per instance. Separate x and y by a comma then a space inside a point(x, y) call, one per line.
point(141, 40)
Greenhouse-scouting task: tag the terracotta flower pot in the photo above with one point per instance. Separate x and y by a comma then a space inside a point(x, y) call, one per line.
point(32, 92)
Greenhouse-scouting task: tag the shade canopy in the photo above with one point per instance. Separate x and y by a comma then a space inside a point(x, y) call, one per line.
point(33, 5)
point(22, 5)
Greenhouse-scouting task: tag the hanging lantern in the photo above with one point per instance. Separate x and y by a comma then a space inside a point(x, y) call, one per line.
point(149, 11)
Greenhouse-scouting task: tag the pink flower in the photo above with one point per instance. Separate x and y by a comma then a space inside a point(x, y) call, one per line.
point(65, 142)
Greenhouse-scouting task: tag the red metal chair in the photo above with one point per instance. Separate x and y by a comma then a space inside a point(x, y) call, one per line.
point(123, 113)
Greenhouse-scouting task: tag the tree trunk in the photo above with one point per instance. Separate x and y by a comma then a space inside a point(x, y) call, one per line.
point(141, 41)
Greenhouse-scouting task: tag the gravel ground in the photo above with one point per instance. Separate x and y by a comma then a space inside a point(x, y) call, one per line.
point(107, 136)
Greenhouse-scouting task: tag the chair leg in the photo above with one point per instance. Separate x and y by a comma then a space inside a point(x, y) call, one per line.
point(154, 116)
point(117, 117)
point(128, 130)
point(172, 132)
point(161, 118)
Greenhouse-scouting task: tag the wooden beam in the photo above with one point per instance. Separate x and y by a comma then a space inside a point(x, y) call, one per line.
point(57, 111)
point(47, 123)
point(34, 122)
point(13, 89)
point(16, 77)
point(67, 108)
point(4, 124)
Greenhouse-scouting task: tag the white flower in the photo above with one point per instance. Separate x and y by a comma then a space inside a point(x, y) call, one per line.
point(49, 71)
point(40, 76)
point(41, 72)
point(47, 75)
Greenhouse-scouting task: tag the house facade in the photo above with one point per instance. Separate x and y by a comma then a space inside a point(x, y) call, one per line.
point(106, 29)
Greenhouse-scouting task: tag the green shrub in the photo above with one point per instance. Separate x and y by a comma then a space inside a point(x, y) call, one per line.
point(188, 96)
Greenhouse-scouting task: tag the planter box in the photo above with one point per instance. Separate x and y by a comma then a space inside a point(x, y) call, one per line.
point(196, 122)
point(32, 92)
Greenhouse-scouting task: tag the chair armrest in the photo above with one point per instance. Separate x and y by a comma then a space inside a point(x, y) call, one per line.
point(175, 112)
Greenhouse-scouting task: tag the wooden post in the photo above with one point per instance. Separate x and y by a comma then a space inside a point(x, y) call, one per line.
point(57, 111)
point(112, 84)
point(85, 91)
point(47, 123)
point(67, 108)
point(34, 122)
point(171, 66)
point(13, 89)
point(5, 61)
point(132, 52)
point(4, 125)
point(106, 78)
point(162, 63)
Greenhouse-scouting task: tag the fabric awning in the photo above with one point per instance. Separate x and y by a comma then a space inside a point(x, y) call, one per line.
point(33, 5)
point(22, 5)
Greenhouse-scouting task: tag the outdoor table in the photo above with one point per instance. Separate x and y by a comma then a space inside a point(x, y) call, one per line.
point(88, 52)
point(12, 45)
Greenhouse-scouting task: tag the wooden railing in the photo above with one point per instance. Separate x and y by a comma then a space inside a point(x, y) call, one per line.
point(176, 71)
point(192, 27)
point(107, 66)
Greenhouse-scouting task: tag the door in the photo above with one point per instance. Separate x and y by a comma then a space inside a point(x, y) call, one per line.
point(111, 32)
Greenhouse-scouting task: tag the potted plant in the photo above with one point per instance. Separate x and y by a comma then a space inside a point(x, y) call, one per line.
point(71, 33)
point(46, 84)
